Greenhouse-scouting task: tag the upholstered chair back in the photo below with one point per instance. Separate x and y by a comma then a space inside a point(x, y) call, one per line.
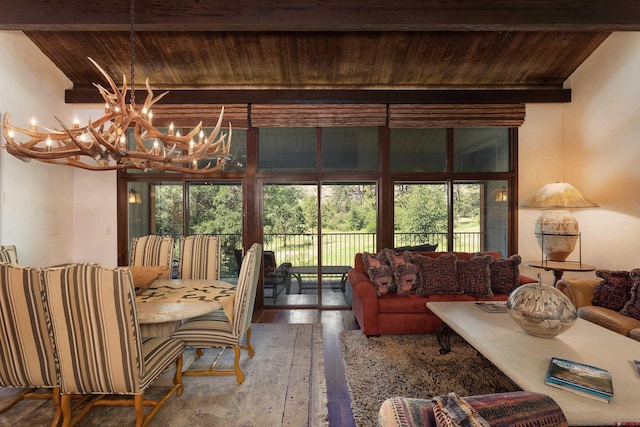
point(95, 325)
point(199, 257)
point(8, 253)
point(246, 290)
point(26, 350)
point(152, 250)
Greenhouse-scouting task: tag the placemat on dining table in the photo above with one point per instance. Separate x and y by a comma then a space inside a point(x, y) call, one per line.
point(224, 294)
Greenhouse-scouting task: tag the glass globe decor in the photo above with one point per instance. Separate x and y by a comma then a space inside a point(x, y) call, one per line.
point(541, 310)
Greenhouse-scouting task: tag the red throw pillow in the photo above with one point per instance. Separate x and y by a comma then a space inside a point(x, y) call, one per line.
point(475, 276)
point(437, 275)
point(632, 307)
point(505, 274)
point(614, 290)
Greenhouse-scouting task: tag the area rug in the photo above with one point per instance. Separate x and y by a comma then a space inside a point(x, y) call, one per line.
point(284, 386)
point(410, 365)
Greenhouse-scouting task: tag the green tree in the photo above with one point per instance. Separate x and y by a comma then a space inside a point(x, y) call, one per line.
point(421, 208)
point(282, 211)
point(168, 209)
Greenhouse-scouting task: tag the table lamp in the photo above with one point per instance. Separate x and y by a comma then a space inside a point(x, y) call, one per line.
point(556, 229)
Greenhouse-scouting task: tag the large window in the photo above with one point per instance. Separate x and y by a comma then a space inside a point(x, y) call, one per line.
point(184, 208)
point(315, 196)
point(438, 207)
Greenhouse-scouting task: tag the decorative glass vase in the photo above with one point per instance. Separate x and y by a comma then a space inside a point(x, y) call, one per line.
point(541, 310)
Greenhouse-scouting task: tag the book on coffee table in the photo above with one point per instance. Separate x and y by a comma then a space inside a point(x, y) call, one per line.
point(585, 380)
point(493, 306)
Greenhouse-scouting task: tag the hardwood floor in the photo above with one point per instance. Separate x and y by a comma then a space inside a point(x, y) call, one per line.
point(333, 322)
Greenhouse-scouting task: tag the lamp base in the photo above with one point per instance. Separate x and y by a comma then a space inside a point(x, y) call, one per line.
point(557, 232)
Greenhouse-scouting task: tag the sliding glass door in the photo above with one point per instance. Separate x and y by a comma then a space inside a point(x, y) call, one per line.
point(309, 251)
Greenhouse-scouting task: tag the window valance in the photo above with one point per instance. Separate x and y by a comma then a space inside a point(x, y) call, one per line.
point(456, 115)
point(318, 115)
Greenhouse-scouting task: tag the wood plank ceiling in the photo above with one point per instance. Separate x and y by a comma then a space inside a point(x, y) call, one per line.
point(329, 51)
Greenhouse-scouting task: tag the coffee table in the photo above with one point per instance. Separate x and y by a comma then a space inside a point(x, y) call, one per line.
point(525, 359)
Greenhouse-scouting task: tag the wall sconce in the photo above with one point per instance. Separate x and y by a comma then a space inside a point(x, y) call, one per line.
point(500, 194)
point(556, 229)
point(134, 196)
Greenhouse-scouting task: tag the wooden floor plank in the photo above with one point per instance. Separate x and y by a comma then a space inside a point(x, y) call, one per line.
point(333, 322)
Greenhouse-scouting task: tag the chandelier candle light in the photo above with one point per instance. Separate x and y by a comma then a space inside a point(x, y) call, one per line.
point(102, 144)
point(556, 229)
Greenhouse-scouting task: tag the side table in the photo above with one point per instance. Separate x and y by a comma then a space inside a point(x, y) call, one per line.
point(559, 267)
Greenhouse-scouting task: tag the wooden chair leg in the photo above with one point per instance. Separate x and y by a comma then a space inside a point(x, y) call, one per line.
point(177, 378)
point(252, 351)
point(139, 409)
point(65, 405)
point(55, 396)
point(236, 364)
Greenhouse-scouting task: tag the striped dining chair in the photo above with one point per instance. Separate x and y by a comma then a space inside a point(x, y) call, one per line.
point(8, 253)
point(216, 330)
point(26, 348)
point(98, 343)
point(152, 250)
point(199, 257)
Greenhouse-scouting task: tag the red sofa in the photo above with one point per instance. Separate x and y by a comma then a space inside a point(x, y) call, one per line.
point(403, 314)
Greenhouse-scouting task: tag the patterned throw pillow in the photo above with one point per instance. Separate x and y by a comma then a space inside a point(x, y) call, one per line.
point(614, 290)
point(475, 276)
point(452, 411)
point(437, 275)
point(505, 274)
point(405, 272)
point(632, 307)
point(379, 272)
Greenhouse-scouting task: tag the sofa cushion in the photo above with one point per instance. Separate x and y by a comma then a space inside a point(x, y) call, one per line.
point(379, 272)
point(475, 276)
point(437, 275)
point(405, 272)
point(632, 307)
point(405, 304)
point(505, 274)
point(614, 290)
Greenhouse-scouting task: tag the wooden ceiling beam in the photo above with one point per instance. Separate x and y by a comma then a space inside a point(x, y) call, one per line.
point(293, 96)
point(322, 15)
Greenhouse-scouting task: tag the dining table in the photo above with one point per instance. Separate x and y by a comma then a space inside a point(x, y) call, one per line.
point(168, 302)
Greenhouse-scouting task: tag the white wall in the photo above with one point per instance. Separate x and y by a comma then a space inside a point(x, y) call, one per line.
point(602, 150)
point(594, 144)
point(36, 199)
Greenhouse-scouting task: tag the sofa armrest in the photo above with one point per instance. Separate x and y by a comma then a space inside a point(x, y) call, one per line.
point(579, 291)
point(364, 301)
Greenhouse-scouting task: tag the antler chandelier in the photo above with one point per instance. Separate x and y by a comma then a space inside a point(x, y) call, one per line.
point(102, 144)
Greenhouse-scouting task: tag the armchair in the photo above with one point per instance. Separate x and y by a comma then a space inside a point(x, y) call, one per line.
point(520, 408)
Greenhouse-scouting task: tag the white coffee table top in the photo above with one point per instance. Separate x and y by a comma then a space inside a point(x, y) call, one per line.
point(525, 359)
